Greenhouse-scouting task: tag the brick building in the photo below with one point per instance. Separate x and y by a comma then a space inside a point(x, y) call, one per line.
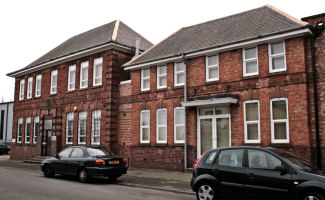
point(245, 79)
point(70, 95)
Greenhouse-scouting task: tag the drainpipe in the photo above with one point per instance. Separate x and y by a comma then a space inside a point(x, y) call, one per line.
point(185, 127)
point(316, 32)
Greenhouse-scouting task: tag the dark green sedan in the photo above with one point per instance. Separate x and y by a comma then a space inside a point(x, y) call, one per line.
point(85, 162)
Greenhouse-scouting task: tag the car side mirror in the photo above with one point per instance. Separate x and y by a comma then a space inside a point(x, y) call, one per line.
point(57, 156)
point(281, 169)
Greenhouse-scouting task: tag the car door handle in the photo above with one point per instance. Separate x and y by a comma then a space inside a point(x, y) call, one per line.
point(251, 176)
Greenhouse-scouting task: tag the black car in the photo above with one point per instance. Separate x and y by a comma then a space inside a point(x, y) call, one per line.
point(255, 173)
point(85, 162)
point(4, 148)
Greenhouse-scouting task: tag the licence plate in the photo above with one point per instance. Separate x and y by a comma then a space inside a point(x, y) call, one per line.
point(114, 162)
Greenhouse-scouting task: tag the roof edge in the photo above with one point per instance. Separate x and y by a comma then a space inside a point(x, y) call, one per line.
point(313, 16)
point(290, 17)
point(114, 35)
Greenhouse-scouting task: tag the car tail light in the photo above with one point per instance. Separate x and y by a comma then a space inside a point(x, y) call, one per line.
point(124, 161)
point(100, 162)
point(197, 162)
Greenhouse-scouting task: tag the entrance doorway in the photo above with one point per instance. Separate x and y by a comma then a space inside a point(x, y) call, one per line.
point(214, 129)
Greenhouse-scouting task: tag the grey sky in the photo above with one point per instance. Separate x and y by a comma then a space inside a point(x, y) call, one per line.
point(29, 29)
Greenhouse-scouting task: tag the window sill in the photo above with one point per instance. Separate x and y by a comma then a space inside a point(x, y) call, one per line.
point(160, 145)
point(83, 89)
point(144, 92)
point(96, 86)
point(211, 82)
point(51, 95)
point(37, 97)
point(251, 77)
point(160, 89)
point(178, 87)
point(178, 145)
point(69, 91)
point(144, 144)
point(277, 73)
point(281, 145)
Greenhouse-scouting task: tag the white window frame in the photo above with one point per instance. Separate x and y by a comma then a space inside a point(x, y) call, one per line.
point(273, 140)
point(97, 62)
point(250, 60)
point(159, 76)
point(54, 87)
point(82, 66)
point(82, 115)
point(72, 85)
point(70, 116)
point(20, 137)
point(158, 126)
point(209, 67)
point(277, 55)
point(21, 89)
point(29, 87)
point(95, 113)
point(38, 83)
point(178, 125)
point(252, 122)
point(144, 79)
point(28, 121)
point(36, 120)
point(141, 127)
point(179, 72)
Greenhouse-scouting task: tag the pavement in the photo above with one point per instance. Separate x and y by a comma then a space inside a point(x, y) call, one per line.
point(166, 180)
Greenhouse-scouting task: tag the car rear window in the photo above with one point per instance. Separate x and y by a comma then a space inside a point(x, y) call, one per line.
point(211, 158)
point(98, 152)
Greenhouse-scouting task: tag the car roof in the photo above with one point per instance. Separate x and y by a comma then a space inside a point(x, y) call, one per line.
point(243, 147)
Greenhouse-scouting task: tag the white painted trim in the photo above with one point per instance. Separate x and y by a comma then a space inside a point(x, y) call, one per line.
point(141, 127)
point(252, 122)
point(72, 68)
point(20, 121)
point(145, 79)
point(71, 57)
point(158, 126)
point(82, 66)
point(177, 73)
point(28, 121)
point(245, 74)
point(253, 42)
point(29, 88)
point(207, 67)
point(97, 61)
point(226, 100)
point(69, 115)
point(38, 77)
point(161, 76)
point(277, 55)
point(178, 125)
point(21, 89)
point(273, 140)
point(54, 73)
point(125, 82)
point(82, 115)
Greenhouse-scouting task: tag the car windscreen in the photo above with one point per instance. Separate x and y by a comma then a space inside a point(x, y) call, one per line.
point(299, 163)
point(98, 152)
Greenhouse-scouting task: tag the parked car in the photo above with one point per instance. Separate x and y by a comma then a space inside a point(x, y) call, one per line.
point(255, 173)
point(85, 162)
point(4, 148)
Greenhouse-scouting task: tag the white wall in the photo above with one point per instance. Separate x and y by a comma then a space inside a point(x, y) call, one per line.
point(7, 130)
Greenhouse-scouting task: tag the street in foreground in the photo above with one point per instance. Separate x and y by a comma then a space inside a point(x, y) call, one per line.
point(17, 184)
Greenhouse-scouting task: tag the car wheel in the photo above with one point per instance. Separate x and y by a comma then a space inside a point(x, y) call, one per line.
point(83, 176)
point(49, 172)
point(206, 192)
point(113, 177)
point(313, 196)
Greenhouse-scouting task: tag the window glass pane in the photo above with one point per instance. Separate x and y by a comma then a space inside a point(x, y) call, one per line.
point(213, 72)
point(277, 48)
point(251, 67)
point(145, 133)
point(223, 132)
point(279, 109)
point(162, 133)
point(252, 131)
point(180, 130)
point(162, 70)
point(212, 60)
point(162, 117)
point(278, 62)
point(98, 70)
point(146, 84)
point(162, 81)
point(180, 67)
point(262, 160)
point(179, 116)
point(84, 73)
point(145, 118)
point(180, 78)
point(146, 73)
point(251, 111)
point(206, 134)
point(222, 110)
point(231, 158)
point(250, 53)
point(206, 111)
point(280, 130)
point(211, 158)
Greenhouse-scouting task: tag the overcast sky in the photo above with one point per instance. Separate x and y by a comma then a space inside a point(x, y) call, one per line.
point(29, 29)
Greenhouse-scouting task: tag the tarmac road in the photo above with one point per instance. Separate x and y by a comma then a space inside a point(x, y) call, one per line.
point(28, 185)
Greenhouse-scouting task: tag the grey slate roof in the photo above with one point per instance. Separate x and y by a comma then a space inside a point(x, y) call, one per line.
point(251, 24)
point(92, 38)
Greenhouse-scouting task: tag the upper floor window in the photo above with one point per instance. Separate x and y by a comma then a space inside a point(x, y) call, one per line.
point(20, 130)
point(72, 78)
point(179, 124)
point(30, 88)
point(98, 68)
point(161, 77)
point(212, 68)
point(54, 82)
point(82, 129)
point(145, 79)
point(36, 129)
point(251, 122)
point(145, 126)
point(95, 127)
point(277, 58)
point(69, 128)
point(250, 61)
point(27, 132)
point(279, 121)
point(179, 74)
point(38, 85)
point(162, 126)
point(84, 74)
point(21, 89)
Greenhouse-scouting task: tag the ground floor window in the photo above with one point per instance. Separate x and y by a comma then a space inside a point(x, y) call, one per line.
point(145, 126)
point(69, 128)
point(179, 125)
point(251, 121)
point(161, 126)
point(82, 129)
point(279, 120)
point(36, 129)
point(20, 130)
point(27, 132)
point(95, 127)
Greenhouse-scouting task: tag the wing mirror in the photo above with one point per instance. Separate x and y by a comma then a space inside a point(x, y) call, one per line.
point(281, 169)
point(57, 156)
